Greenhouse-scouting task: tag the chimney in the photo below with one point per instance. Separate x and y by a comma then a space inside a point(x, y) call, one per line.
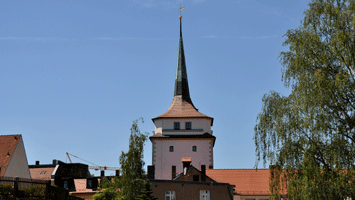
point(203, 172)
point(151, 172)
point(54, 162)
point(186, 161)
point(117, 173)
point(37, 162)
point(102, 173)
point(173, 172)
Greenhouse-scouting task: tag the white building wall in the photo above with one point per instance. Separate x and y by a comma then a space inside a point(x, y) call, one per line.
point(196, 123)
point(18, 165)
point(163, 160)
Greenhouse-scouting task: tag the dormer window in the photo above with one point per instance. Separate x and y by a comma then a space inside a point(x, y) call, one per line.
point(65, 185)
point(188, 125)
point(176, 125)
point(89, 185)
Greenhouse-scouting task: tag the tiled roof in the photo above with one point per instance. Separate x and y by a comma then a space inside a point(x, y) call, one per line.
point(181, 108)
point(80, 187)
point(43, 173)
point(8, 145)
point(246, 181)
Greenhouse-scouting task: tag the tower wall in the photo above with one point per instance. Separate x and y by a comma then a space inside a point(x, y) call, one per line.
point(163, 159)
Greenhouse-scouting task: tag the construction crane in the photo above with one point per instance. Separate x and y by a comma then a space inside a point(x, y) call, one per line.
point(94, 166)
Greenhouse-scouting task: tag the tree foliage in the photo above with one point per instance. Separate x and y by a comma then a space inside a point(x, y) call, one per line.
point(308, 136)
point(130, 184)
point(108, 189)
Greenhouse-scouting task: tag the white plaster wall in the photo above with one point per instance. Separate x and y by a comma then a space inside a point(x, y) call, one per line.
point(196, 123)
point(158, 124)
point(18, 165)
point(164, 160)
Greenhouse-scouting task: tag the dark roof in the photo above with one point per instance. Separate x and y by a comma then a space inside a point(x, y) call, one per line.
point(181, 83)
point(205, 135)
point(190, 182)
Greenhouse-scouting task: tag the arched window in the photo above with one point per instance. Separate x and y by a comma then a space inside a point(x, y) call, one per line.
point(171, 148)
point(194, 148)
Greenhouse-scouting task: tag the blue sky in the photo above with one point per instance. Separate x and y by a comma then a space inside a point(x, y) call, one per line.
point(75, 74)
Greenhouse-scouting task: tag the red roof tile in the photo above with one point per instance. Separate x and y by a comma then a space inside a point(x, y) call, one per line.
point(246, 181)
point(181, 108)
point(8, 145)
point(42, 173)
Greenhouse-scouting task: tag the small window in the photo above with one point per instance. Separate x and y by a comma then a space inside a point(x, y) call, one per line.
point(205, 195)
point(65, 185)
point(90, 183)
point(170, 195)
point(194, 148)
point(188, 125)
point(171, 148)
point(196, 178)
point(42, 172)
point(176, 125)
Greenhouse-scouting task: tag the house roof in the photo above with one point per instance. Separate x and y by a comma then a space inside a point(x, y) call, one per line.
point(246, 181)
point(180, 108)
point(43, 173)
point(8, 145)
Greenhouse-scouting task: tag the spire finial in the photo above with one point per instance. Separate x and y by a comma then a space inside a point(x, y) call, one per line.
point(181, 8)
point(180, 17)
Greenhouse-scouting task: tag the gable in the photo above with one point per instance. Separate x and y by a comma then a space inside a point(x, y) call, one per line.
point(18, 165)
point(8, 145)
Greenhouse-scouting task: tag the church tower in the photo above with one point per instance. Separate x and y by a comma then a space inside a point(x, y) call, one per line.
point(182, 133)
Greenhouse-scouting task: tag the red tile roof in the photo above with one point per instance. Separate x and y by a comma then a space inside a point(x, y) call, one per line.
point(42, 173)
point(246, 181)
point(8, 145)
point(181, 108)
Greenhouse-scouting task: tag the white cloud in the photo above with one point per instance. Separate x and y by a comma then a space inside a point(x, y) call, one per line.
point(208, 37)
point(127, 38)
point(198, 1)
point(259, 37)
point(34, 38)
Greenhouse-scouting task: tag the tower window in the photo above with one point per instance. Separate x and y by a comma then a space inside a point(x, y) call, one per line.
point(176, 125)
point(194, 148)
point(188, 125)
point(171, 148)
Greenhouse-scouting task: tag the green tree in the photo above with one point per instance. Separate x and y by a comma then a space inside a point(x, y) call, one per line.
point(308, 136)
point(108, 189)
point(132, 185)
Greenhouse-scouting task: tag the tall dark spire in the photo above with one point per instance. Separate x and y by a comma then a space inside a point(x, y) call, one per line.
point(181, 84)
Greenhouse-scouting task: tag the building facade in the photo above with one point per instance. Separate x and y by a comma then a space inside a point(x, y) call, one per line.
point(182, 131)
